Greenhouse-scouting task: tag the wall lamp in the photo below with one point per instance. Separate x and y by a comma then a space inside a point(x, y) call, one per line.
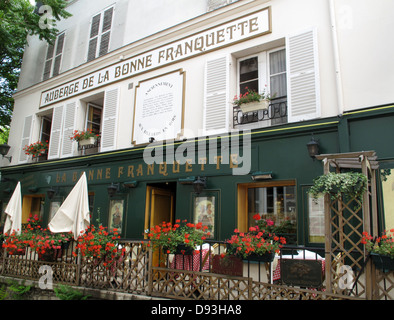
point(52, 192)
point(188, 180)
point(259, 175)
point(313, 147)
point(130, 184)
point(112, 189)
point(4, 148)
point(199, 184)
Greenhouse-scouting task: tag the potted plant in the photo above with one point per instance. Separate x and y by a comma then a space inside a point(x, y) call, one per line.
point(97, 245)
point(84, 138)
point(352, 184)
point(256, 245)
point(36, 149)
point(381, 249)
point(252, 101)
point(47, 244)
point(16, 244)
point(179, 238)
point(286, 228)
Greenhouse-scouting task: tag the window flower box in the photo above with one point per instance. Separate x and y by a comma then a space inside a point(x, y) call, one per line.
point(254, 106)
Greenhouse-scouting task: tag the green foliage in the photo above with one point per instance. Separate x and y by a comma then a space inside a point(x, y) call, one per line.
point(19, 290)
point(18, 20)
point(352, 184)
point(3, 292)
point(64, 292)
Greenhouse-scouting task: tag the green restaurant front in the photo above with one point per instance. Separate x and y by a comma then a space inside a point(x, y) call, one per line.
point(197, 180)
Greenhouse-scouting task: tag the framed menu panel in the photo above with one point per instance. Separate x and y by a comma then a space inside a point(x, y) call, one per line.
point(159, 106)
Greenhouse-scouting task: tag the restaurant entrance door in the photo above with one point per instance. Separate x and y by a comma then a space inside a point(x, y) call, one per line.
point(159, 208)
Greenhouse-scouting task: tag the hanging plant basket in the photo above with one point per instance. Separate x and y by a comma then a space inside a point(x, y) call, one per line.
point(382, 262)
point(351, 184)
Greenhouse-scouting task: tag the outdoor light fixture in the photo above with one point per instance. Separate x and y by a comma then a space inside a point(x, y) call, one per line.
point(151, 140)
point(33, 189)
point(313, 147)
point(112, 189)
point(4, 148)
point(188, 180)
point(130, 184)
point(259, 175)
point(51, 192)
point(199, 184)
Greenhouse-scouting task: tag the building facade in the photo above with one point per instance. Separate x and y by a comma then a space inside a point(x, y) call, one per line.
point(156, 82)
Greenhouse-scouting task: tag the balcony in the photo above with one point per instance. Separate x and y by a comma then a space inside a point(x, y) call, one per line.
point(275, 114)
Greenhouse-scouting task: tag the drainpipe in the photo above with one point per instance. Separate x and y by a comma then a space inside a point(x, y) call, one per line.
point(337, 63)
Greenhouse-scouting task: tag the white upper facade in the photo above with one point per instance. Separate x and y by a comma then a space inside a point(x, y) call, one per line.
point(320, 58)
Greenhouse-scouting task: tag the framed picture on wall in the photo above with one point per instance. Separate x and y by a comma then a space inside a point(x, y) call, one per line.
point(204, 211)
point(53, 208)
point(116, 209)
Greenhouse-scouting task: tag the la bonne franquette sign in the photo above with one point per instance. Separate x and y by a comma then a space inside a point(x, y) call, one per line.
point(243, 28)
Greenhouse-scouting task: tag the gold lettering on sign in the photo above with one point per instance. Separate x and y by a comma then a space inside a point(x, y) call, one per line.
point(233, 160)
point(203, 162)
point(108, 173)
point(130, 171)
point(175, 167)
point(99, 174)
point(140, 171)
point(120, 171)
point(151, 169)
point(188, 165)
point(163, 169)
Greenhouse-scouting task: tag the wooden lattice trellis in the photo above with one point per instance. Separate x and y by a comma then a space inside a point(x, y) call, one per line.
point(345, 220)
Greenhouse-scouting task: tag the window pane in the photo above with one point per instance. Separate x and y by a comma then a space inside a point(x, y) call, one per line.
point(248, 75)
point(276, 204)
point(316, 219)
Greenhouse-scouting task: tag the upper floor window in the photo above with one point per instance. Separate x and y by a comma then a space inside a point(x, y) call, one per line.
point(264, 72)
point(100, 31)
point(54, 57)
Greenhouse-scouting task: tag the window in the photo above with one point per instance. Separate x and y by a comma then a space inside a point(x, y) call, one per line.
point(274, 201)
point(264, 72)
point(45, 134)
point(54, 58)
point(94, 116)
point(100, 31)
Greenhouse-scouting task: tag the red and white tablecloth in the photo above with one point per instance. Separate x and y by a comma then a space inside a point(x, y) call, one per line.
point(191, 262)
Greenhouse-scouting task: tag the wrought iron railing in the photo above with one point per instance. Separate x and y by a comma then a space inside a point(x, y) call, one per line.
point(275, 114)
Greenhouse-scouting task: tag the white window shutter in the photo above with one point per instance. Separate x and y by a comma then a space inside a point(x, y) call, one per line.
point(26, 134)
point(68, 129)
point(216, 100)
point(94, 32)
point(110, 116)
point(56, 133)
point(303, 76)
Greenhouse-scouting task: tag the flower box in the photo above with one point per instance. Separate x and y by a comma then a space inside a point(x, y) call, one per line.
point(87, 142)
point(382, 262)
point(17, 252)
point(50, 255)
point(228, 265)
point(254, 106)
point(267, 257)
